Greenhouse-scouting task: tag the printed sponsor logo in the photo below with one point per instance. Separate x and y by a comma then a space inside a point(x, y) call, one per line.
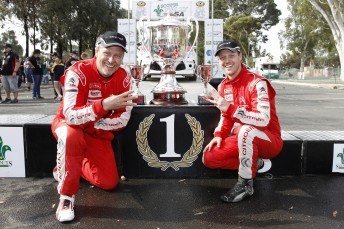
point(338, 158)
point(94, 93)
point(95, 86)
point(229, 98)
point(3, 150)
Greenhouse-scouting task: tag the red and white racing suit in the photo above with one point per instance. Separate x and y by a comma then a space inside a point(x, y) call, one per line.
point(83, 128)
point(252, 106)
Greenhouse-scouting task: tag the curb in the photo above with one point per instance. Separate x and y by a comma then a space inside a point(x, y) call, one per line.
point(315, 85)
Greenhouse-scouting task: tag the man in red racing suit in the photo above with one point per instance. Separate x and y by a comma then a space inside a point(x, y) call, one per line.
point(96, 101)
point(248, 100)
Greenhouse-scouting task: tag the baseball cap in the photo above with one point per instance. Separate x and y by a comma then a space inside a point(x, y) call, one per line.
point(111, 38)
point(228, 45)
point(75, 52)
point(7, 45)
point(54, 54)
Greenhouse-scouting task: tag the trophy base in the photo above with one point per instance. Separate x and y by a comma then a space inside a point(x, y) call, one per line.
point(169, 98)
point(140, 100)
point(202, 100)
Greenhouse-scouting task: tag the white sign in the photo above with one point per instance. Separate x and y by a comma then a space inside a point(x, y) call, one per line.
point(213, 35)
point(213, 30)
point(12, 157)
point(178, 8)
point(338, 158)
point(209, 58)
point(127, 27)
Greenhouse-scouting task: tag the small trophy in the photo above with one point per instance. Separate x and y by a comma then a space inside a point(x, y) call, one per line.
point(137, 72)
point(205, 73)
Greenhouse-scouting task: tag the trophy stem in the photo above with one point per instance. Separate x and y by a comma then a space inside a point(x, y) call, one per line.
point(168, 91)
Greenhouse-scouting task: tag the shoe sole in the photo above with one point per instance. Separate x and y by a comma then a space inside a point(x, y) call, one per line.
point(236, 199)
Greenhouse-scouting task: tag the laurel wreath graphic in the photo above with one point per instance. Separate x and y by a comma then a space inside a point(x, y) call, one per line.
point(189, 156)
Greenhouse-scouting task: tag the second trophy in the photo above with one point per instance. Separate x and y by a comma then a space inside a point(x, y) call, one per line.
point(205, 72)
point(138, 72)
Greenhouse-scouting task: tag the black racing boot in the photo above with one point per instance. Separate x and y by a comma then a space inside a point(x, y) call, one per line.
point(241, 189)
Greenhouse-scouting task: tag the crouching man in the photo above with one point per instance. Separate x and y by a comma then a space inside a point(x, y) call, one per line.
point(96, 101)
point(249, 100)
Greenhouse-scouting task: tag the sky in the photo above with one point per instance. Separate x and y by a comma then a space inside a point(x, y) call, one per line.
point(272, 46)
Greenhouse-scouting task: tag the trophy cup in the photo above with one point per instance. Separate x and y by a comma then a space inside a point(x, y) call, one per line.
point(205, 73)
point(166, 42)
point(137, 72)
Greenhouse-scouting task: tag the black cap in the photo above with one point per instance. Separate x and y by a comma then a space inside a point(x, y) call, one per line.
point(36, 51)
point(54, 54)
point(75, 52)
point(7, 45)
point(229, 45)
point(111, 38)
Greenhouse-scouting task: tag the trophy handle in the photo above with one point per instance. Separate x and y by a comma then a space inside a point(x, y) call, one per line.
point(196, 36)
point(142, 31)
point(217, 69)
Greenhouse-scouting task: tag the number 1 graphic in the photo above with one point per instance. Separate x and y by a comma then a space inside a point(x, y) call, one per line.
point(169, 137)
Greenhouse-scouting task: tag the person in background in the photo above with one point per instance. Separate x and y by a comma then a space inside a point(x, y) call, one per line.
point(45, 72)
point(72, 59)
point(0, 79)
point(28, 73)
point(50, 64)
point(37, 73)
point(248, 100)
point(21, 72)
point(83, 56)
point(10, 67)
point(58, 69)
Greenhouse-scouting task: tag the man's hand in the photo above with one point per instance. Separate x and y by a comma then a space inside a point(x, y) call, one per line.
point(215, 140)
point(119, 101)
point(14, 74)
point(220, 103)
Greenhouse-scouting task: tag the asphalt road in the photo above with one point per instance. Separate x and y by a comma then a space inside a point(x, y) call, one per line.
point(298, 107)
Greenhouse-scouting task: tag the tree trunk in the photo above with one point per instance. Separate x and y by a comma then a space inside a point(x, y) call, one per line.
point(335, 20)
point(340, 48)
point(27, 36)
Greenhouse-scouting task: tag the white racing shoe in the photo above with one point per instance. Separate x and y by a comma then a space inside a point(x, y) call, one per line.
point(65, 210)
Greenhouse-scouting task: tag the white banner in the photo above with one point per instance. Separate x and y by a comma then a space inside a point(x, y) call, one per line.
point(213, 35)
point(12, 157)
point(338, 158)
point(213, 30)
point(178, 8)
point(128, 29)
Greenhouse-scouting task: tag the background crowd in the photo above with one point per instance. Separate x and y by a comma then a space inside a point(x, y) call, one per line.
point(19, 73)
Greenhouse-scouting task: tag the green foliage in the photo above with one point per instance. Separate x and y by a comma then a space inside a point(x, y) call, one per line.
point(307, 35)
point(10, 37)
point(65, 22)
point(247, 20)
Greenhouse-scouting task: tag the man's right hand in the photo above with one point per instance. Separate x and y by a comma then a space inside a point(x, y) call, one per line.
point(215, 140)
point(119, 101)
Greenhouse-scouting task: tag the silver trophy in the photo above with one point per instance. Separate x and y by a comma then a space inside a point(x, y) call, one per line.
point(166, 42)
point(206, 72)
point(138, 72)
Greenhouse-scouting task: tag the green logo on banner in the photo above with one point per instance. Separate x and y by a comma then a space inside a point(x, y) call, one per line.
point(3, 150)
point(158, 11)
point(341, 155)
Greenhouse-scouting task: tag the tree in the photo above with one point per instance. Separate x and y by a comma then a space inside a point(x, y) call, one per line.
point(333, 13)
point(302, 30)
point(243, 29)
point(10, 37)
point(247, 20)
